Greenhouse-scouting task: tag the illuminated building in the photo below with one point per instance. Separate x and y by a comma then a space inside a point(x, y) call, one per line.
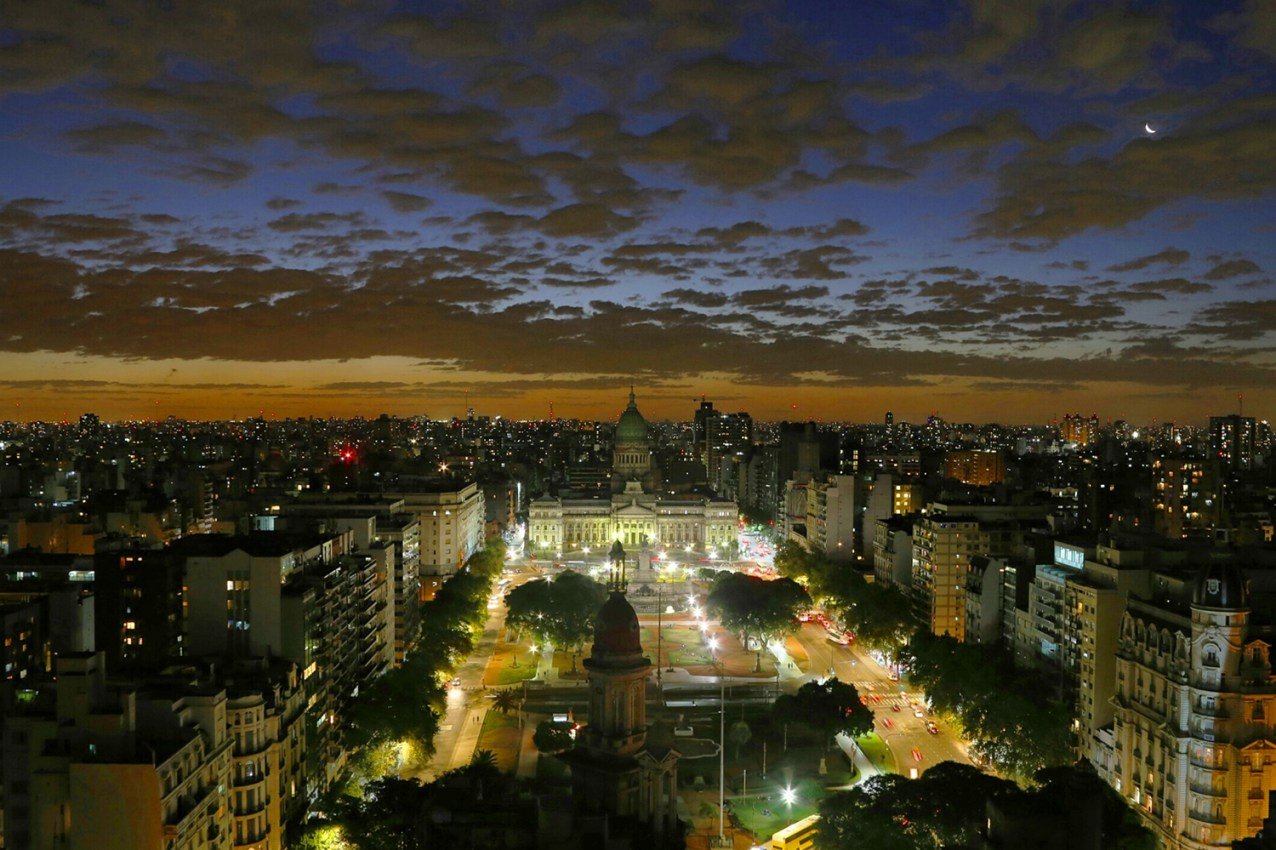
point(976, 468)
point(634, 514)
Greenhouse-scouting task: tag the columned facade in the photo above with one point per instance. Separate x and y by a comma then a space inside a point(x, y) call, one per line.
point(635, 515)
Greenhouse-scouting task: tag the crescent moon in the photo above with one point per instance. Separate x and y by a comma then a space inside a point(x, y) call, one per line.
point(1148, 127)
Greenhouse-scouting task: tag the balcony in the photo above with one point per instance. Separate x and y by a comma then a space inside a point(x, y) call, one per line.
point(1207, 790)
point(1215, 710)
point(1207, 817)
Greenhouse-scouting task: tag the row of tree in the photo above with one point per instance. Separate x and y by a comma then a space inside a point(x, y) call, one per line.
point(404, 704)
point(881, 616)
point(946, 808)
point(1009, 715)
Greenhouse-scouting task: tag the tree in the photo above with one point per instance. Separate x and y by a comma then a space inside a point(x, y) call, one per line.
point(1008, 715)
point(757, 608)
point(553, 736)
point(943, 808)
point(505, 701)
point(483, 758)
point(880, 616)
point(832, 706)
point(559, 611)
point(577, 599)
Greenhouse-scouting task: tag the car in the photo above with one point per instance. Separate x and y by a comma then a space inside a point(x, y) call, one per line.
point(455, 683)
point(917, 754)
point(895, 708)
point(888, 723)
point(932, 728)
point(917, 712)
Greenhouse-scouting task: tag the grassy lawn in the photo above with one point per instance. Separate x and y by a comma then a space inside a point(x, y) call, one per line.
point(501, 735)
point(563, 664)
point(877, 751)
point(679, 648)
point(765, 817)
point(501, 669)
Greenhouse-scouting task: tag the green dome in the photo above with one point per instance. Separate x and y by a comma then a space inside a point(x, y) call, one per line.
point(631, 428)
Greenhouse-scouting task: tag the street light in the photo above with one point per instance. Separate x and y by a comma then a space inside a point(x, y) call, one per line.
point(788, 795)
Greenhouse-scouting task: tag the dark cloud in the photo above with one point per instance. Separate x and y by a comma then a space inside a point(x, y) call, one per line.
point(1170, 257)
point(697, 297)
point(406, 201)
point(1232, 268)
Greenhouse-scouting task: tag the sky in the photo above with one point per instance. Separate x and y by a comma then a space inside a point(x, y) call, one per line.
point(993, 210)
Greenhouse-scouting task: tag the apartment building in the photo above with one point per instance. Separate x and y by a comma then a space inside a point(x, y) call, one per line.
point(118, 769)
point(451, 517)
point(1195, 712)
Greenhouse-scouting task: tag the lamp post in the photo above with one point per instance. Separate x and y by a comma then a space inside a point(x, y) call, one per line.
point(722, 755)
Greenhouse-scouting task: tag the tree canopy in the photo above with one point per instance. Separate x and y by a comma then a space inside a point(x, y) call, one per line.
point(1009, 715)
point(831, 706)
point(755, 607)
point(559, 611)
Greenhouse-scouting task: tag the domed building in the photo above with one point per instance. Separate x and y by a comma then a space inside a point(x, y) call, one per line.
point(638, 513)
point(615, 767)
point(1194, 727)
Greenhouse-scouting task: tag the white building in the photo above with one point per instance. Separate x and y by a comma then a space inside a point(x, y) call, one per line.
point(634, 514)
point(452, 520)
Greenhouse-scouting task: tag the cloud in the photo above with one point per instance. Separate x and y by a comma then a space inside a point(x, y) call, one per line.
point(405, 201)
point(1233, 268)
point(1170, 256)
point(697, 297)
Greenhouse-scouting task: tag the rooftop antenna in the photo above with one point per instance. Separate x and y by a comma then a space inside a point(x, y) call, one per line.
point(551, 411)
point(1240, 404)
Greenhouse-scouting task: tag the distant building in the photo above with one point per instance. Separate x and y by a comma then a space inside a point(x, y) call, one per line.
point(1232, 440)
point(1079, 430)
point(1186, 494)
point(980, 468)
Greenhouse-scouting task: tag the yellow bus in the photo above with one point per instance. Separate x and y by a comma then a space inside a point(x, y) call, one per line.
point(796, 836)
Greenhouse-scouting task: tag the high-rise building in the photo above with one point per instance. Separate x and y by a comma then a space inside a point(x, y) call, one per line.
point(943, 545)
point(893, 551)
point(1079, 430)
point(1232, 441)
point(140, 604)
point(830, 516)
point(727, 436)
point(1186, 496)
point(451, 515)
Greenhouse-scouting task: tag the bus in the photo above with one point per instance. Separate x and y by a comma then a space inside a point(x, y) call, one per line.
point(796, 836)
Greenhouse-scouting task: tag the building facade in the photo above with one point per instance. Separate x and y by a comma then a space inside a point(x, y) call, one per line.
point(635, 513)
point(1195, 715)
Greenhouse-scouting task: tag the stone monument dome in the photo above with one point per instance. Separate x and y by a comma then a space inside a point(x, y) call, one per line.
point(616, 628)
point(1221, 585)
point(631, 428)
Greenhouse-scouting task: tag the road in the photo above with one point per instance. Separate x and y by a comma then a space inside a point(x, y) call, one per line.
point(902, 730)
point(467, 704)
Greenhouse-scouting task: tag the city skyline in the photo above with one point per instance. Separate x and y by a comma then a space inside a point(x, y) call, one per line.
point(996, 211)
